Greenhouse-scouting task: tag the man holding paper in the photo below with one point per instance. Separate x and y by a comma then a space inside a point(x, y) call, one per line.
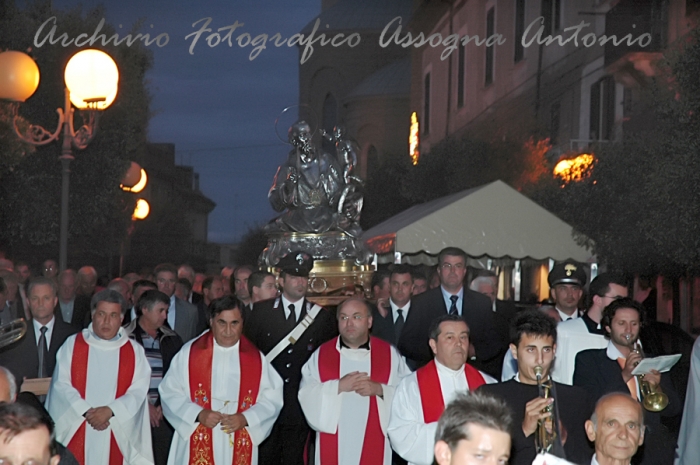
point(602, 371)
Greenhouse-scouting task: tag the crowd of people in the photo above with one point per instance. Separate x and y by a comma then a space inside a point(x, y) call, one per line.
point(178, 367)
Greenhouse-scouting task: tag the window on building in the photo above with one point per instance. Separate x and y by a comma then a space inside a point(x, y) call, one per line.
point(426, 104)
point(551, 11)
point(490, 26)
point(461, 63)
point(554, 116)
point(602, 109)
point(519, 30)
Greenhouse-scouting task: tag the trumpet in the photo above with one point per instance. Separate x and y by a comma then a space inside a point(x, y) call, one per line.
point(12, 331)
point(653, 398)
point(546, 433)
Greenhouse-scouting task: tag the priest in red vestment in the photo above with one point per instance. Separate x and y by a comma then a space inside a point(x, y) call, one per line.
point(421, 397)
point(346, 391)
point(220, 394)
point(98, 390)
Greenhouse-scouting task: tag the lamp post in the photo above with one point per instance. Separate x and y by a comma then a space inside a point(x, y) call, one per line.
point(91, 79)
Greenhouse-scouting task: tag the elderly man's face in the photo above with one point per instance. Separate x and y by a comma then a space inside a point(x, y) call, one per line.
point(49, 269)
point(619, 430)
point(166, 281)
point(28, 447)
point(66, 288)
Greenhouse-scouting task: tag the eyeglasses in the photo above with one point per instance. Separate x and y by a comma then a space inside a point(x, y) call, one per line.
point(449, 266)
point(354, 317)
point(613, 297)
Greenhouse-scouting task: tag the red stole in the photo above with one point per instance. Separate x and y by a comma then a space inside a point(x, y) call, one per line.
point(431, 393)
point(201, 355)
point(78, 376)
point(329, 369)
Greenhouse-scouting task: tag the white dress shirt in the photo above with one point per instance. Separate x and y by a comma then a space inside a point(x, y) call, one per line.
point(614, 353)
point(297, 307)
point(394, 308)
point(49, 331)
point(565, 317)
point(171, 313)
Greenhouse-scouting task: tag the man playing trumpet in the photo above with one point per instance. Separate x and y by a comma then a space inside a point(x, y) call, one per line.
point(555, 422)
point(601, 371)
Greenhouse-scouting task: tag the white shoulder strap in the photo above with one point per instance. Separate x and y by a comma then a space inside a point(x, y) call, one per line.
point(294, 335)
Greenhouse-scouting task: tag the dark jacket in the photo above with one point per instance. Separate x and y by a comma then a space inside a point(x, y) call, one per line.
point(599, 375)
point(22, 357)
point(478, 314)
point(574, 408)
point(82, 313)
point(266, 326)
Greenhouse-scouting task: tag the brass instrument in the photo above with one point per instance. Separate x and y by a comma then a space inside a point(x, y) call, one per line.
point(12, 331)
point(546, 433)
point(653, 398)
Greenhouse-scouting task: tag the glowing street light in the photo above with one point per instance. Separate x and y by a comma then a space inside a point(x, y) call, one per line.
point(142, 210)
point(91, 79)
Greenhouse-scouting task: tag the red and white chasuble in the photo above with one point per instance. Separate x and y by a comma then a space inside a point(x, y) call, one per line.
point(90, 373)
point(418, 403)
point(229, 380)
point(352, 428)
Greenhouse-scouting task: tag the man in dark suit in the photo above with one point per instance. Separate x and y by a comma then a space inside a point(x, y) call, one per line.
point(390, 314)
point(71, 308)
point(503, 310)
point(451, 297)
point(601, 371)
point(34, 356)
point(269, 327)
point(182, 315)
point(533, 346)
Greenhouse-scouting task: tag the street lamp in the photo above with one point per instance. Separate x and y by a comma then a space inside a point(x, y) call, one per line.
point(91, 78)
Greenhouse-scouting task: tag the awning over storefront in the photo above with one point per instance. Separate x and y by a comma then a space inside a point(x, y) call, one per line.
point(493, 221)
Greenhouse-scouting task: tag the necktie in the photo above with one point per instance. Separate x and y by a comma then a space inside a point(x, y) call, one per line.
point(291, 318)
point(398, 324)
point(453, 307)
point(631, 384)
point(43, 355)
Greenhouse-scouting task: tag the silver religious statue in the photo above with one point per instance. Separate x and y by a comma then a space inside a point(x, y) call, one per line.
point(316, 191)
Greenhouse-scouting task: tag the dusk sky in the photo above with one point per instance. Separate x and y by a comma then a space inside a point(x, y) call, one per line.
point(217, 106)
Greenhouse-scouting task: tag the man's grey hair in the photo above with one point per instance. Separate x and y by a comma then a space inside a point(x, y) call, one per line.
point(474, 408)
point(479, 280)
point(11, 381)
point(42, 281)
point(108, 295)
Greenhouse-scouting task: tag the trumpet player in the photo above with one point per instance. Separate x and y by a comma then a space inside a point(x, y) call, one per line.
point(560, 414)
point(602, 371)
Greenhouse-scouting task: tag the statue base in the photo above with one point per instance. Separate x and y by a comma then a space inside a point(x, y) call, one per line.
point(341, 264)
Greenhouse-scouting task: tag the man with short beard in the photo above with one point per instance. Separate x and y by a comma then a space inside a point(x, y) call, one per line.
point(390, 315)
point(601, 371)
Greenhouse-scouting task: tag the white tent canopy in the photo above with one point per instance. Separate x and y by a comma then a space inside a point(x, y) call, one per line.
point(493, 220)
